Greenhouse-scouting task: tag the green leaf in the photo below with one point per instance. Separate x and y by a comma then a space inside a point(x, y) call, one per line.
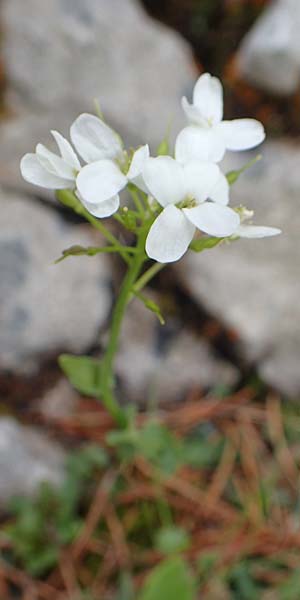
point(242, 582)
point(151, 305)
point(233, 176)
point(98, 110)
point(202, 453)
point(126, 588)
point(83, 373)
point(43, 561)
point(160, 446)
point(163, 148)
point(204, 243)
point(153, 441)
point(91, 456)
point(169, 540)
point(169, 580)
point(125, 441)
point(206, 564)
point(289, 590)
point(81, 251)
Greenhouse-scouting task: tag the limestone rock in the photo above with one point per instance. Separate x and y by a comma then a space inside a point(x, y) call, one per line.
point(61, 55)
point(154, 369)
point(269, 56)
point(46, 308)
point(27, 458)
point(59, 402)
point(253, 286)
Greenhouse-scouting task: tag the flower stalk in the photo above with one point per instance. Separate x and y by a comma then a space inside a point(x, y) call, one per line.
point(107, 383)
point(173, 197)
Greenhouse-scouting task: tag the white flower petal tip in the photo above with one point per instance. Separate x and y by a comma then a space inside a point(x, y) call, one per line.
point(135, 172)
point(54, 164)
point(170, 236)
point(256, 231)
point(34, 171)
point(102, 209)
point(241, 134)
point(100, 181)
point(193, 114)
point(66, 150)
point(138, 161)
point(94, 140)
point(208, 98)
point(214, 219)
point(46, 169)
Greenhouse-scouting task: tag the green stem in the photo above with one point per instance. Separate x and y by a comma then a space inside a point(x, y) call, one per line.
point(68, 198)
point(136, 199)
point(107, 378)
point(131, 284)
point(147, 276)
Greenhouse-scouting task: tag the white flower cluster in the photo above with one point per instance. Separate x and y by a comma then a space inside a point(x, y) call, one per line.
point(190, 189)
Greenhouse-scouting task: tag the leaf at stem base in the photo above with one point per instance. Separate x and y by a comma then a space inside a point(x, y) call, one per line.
point(83, 373)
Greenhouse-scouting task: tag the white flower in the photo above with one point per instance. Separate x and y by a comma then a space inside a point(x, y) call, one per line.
point(208, 136)
point(100, 182)
point(46, 169)
point(182, 191)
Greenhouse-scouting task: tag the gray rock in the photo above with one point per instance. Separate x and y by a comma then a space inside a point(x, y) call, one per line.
point(269, 56)
point(61, 55)
point(59, 402)
point(153, 372)
point(27, 458)
point(190, 364)
point(253, 286)
point(46, 308)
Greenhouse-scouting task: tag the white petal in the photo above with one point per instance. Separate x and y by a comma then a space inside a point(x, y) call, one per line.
point(66, 150)
point(201, 178)
point(138, 160)
point(193, 113)
point(164, 178)
point(214, 219)
point(256, 231)
point(241, 134)
point(33, 172)
point(220, 192)
point(54, 164)
point(100, 181)
point(136, 167)
point(196, 143)
point(208, 97)
point(102, 209)
point(93, 139)
point(170, 235)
